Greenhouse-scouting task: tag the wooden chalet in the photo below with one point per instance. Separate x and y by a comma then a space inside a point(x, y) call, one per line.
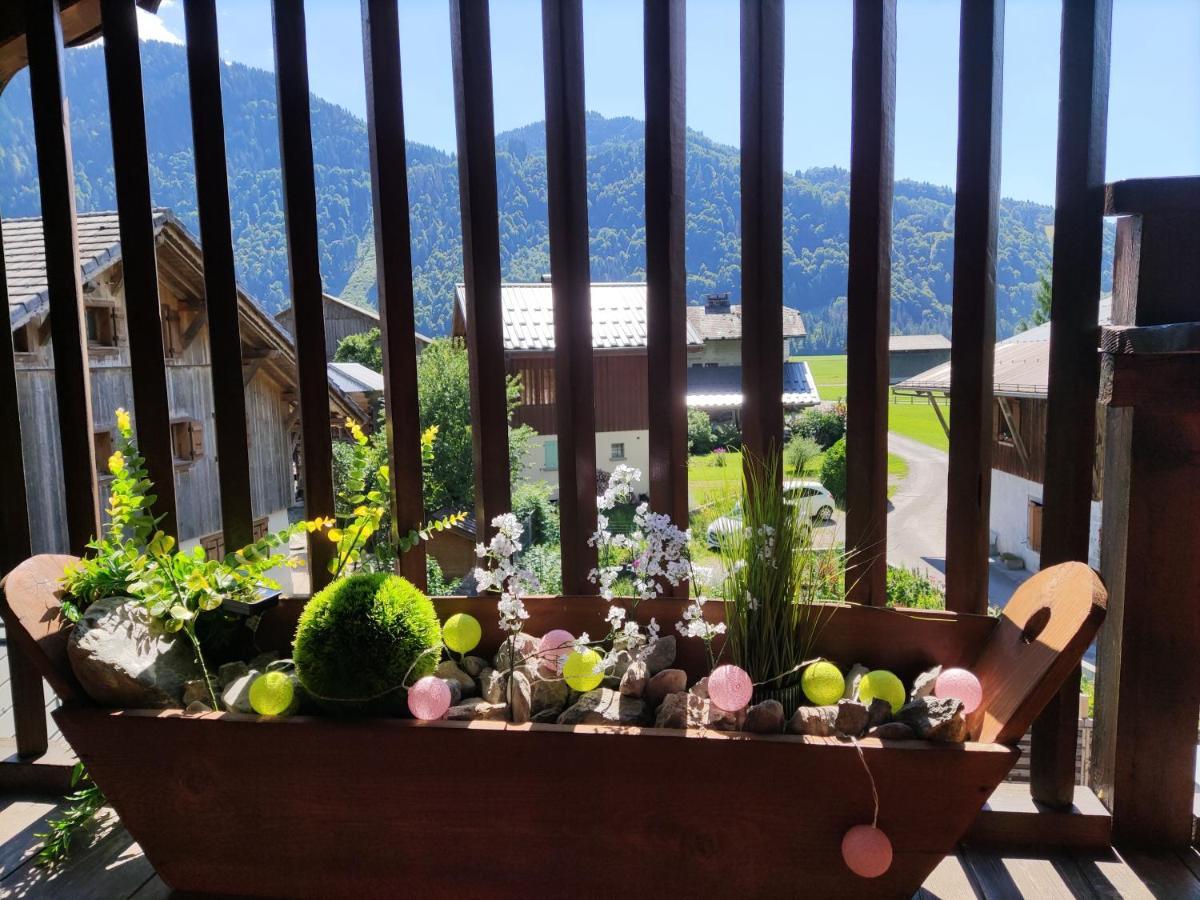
point(342, 319)
point(1130, 832)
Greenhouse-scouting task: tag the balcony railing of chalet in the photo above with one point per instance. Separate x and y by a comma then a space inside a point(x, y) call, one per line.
point(1074, 369)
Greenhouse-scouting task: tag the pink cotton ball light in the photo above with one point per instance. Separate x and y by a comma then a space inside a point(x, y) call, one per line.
point(959, 684)
point(867, 851)
point(555, 647)
point(730, 688)
point(429, 698)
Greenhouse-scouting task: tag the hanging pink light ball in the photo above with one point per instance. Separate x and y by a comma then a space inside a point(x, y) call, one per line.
point(959, 684)
point(429, 698)
point(730, 688)
point(867, 851)
point(555, 647)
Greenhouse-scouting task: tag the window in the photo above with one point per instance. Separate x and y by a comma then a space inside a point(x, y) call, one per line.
point(23, 341)
point(618, 451)
point(1007, 426)
point(101, 326)
point(187, 441)
point(1035, 525)
point(102, 442)
point(550, 460)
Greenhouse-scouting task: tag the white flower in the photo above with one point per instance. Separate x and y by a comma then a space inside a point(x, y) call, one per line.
point(616, 616)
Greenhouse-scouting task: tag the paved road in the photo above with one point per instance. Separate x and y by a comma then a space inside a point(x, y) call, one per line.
point(917, 520)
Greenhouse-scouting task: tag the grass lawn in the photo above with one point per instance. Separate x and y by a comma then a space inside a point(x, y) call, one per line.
point(906, 415)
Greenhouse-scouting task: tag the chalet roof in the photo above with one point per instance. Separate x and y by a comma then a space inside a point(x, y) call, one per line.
point(284, 316)
point(908, 343)
point(618, 316)
point(355, 378)
point(720, 387)
point(1022, 364)
point(721, 326)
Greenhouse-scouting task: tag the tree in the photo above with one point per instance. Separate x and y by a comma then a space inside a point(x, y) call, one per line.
point(700, 432)
point(800, 452)
point(364, 348)
point(1041, 304)
point(833, 471)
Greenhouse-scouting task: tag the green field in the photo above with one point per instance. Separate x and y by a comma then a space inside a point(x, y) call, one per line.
point(908, 416)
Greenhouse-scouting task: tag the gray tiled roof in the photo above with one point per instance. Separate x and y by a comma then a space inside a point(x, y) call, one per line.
point(25, 256)
point(904, 343)
point(728, 326)
point(720, 387)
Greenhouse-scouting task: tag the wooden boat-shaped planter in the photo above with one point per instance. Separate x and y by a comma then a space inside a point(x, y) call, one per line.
point(237, 804)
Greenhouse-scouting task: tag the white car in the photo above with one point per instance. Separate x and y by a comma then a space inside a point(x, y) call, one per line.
point(809, 495)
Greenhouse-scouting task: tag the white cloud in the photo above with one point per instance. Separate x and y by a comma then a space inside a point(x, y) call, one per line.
point(152, 28)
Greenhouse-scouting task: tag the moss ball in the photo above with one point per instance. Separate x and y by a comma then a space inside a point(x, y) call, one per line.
point(882, 685)
point(362, 638)
point(822, 683)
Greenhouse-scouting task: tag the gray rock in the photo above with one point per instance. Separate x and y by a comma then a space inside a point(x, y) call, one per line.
point(703, 713)
point(236, 697)
point(935, 719)
point(477, 708)
point(633, 682)
point(851, 718)
point(449, 670)
point(853, 677)
point(526, 657)
point(700, 688)
point(673, 711)
point(546, 716)
point(549, 695)
point(491, 686)
point(230, 672)
point(520, 698)
point(624, 660)
point(923, 683)
point(263, 661)
point(124, 659)
point(764, 718)
point(660, 655)
point(879, 712)
point(817, 721)
point(605, 707)
point(198, 706)
point(455, 691)
point(892, 731)
point(474, 665)
point(612, 682)
point(668, 681)
point(196, 689)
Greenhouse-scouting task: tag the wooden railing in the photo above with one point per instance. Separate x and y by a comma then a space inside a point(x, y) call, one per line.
point(1077, 252)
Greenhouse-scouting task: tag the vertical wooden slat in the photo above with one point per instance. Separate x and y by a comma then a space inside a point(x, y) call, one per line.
point(393, 256)
point(123, 67)
point(666, 266)
point(471, 51)
point(304, 272)
point(220, 282)
point(976, 220)
point(868, 296)
point(1074, 367)
point(762, 228)
point(25, 684)
point(72, 382)
point(570, 272)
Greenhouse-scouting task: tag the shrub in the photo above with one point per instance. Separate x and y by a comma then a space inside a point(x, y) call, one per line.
point(435, 579)
point(825, 426)
point(544, 561)
point(909, 588)
point(800, 451)
point(532, 505)
point(833, 471)
point(361, 639)
point(700, 432)
point(727, 435)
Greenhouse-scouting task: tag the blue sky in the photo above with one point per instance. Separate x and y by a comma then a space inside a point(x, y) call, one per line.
point(1154, 110)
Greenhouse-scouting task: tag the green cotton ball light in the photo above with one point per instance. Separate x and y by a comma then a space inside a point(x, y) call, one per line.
point(822, 683)
point(272, 694)
point(579, 670)
point(462, 632)
point(881, 684)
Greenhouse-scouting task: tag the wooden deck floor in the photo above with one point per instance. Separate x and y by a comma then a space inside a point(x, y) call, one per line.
point(107, 863)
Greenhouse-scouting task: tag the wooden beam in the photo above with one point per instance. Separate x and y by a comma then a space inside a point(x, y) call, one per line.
point(1074, 369)
point(570, 270)
point(868, 296)
point(1149, 559)
point(304, 270)
point(471, 53)
point(56, 180)
point(976, 223)
point(1018, 441)
point(666, 267)
point(220, 282)
point(937, 409)
point(123, 67)
point(193, 329)
point(762, 229)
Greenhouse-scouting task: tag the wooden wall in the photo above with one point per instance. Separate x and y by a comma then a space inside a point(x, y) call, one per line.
point(620, 380)
point(1030, 413)
point(341, 321)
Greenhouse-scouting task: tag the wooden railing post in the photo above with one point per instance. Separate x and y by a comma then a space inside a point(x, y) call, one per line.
point(471, 53)
point(762, 230)
point(570, 273)
point(666, 266)
point(976, 221)
point(868, 297)
point(1074, 370)
point(56, 179)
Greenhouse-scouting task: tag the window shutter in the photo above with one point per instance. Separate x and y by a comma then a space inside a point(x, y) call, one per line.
point(196, 433)
point(551, 454)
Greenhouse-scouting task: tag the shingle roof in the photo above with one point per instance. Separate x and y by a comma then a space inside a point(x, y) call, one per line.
point(618, 316)
point(1022, 363)
point(904, 343)
point(728, 326)
point(718, 387)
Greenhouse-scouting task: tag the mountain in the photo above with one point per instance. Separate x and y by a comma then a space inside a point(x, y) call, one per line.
point(816, 217)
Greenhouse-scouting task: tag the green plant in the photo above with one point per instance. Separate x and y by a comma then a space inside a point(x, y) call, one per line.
point(700, 432)
point(363, 639)
point(365, 348)
point(773, 576)
point(833, 471)
point(531, 504)
point(545, 562)
point(86, 800)
point(800, 451)
point(435, 580)
point(910, 588)
point(825, 426)
point(727, 435)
